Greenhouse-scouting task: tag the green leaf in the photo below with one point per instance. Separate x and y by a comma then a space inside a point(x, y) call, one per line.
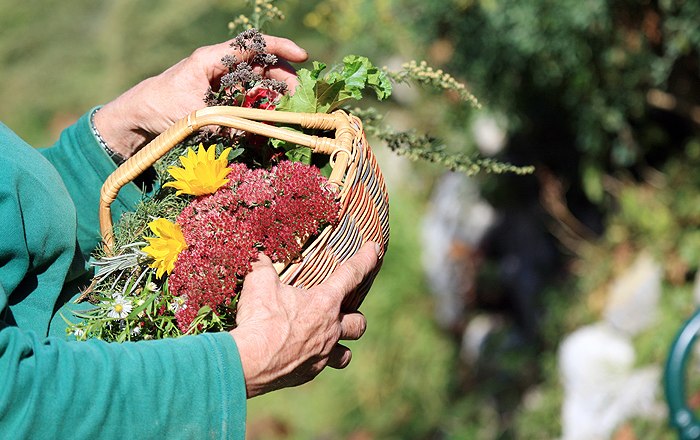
point(346, 81)
point(353, 72)
point(289, 146)
point(203, 311)
point(235, 153)
point(304, 98)
point(328, 96)
point(135, 312)
point(326, 170)
point(359, 74)
point(300, 154)
point(318, 68)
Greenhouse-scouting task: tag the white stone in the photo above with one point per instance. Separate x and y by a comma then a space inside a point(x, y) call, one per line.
point(475, 334)
point(490, 138)
point(601, 387)
point(632, 304)
point(453, 227)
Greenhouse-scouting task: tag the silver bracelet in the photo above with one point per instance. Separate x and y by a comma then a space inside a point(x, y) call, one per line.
point(116, 157)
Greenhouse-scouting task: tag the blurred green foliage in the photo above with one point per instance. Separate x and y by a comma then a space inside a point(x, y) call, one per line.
point(60, 58)
point(584, 68)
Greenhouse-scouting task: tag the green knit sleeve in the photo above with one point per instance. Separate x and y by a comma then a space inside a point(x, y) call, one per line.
point(189, 388)
point(84, 166)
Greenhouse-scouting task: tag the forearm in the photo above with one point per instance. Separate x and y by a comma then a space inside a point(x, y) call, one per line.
point(187, 388)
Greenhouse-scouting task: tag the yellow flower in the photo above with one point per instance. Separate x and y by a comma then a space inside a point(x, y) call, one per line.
point(166, 246)
point(202, 172)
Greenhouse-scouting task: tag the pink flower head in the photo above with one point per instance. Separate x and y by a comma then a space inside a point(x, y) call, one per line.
point(255, 189)
point(274, 211)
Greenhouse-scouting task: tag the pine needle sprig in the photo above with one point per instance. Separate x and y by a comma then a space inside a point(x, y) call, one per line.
point(132, 225)
point(422, 74)
point(422, 147)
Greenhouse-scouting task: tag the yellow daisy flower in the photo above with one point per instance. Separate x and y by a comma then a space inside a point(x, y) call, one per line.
point(202, 172)
point(166, 246)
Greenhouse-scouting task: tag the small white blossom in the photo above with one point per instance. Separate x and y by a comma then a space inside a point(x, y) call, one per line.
point(178, 304)
point(120, 308)
point(153, 287)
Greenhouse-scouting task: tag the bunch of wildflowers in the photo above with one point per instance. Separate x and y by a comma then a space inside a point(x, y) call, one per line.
point(208, 221)
point(272, 211)
point(193, 267)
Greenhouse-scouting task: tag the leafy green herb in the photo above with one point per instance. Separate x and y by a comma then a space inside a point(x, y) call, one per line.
point(318, 93)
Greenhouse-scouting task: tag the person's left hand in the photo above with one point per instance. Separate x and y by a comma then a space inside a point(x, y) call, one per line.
point(149, 108)
point(286, 335)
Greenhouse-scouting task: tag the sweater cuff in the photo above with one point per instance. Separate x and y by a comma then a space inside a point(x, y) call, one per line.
point(102, 162)
point(233, 391)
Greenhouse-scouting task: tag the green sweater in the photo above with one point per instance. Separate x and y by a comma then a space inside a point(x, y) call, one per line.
point(51, 387)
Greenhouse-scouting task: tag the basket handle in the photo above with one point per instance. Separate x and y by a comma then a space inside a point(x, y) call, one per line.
point(239, 118)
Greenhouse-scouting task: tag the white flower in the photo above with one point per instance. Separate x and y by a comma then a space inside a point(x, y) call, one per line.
point(120, 308)
point(135, 331)
point(178, 304)
point(78, 332)
point(153, 287)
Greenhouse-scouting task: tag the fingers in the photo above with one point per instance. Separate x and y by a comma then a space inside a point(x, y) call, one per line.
point(339, 357)
point(209, 57)
point(263, 261)
point(283, 71)
point(285, 48)
point(286, 51)
point(262, 274)
point(351, 273)
point(352, 326)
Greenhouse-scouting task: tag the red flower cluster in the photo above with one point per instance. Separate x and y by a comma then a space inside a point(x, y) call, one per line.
point(260, 97)
point(273, 211)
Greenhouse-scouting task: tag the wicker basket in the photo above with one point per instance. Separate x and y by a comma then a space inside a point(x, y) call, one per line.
point(364, 205)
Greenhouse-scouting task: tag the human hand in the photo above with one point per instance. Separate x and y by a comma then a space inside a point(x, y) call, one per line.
point(153, 105)
point(285, 335)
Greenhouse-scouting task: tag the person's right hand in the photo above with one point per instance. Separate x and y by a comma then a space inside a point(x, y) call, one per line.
point(286, 335)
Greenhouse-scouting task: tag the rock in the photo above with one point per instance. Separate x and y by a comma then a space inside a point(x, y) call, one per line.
point(475, 334)
point(632, 304)
point(453, 227)
point(490, 138)
point(601, 388)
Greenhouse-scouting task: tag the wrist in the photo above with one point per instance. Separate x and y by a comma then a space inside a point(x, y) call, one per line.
point(117, 129)
point(116, 157)
point(256, 363)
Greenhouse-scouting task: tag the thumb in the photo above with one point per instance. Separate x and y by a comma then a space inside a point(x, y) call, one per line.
point(261, 269)
point(351, 273)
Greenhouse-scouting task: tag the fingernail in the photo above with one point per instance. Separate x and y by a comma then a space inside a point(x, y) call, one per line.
point(377, 249)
